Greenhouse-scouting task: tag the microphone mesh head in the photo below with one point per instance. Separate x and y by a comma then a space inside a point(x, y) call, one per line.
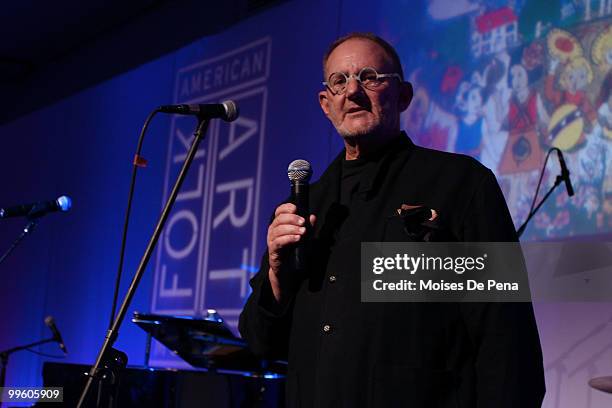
point(64, 203)
point(299, 170)
point(231, 111)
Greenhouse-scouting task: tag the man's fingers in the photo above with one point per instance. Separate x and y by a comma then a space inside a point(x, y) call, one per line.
point(289, 224)
point(286, 218)
point(282, 241)
point(285, 229)
point(287, 208)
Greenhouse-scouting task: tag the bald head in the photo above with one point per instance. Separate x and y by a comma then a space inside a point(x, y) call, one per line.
point(389, 52)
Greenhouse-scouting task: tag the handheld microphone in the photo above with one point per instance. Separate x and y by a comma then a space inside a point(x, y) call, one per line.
point(299, 173)
point(227, 110)
point(50, 322)
point(35, 210)
point(565, 174)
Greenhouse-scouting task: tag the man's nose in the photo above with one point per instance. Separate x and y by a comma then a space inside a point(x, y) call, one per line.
point(353, 86)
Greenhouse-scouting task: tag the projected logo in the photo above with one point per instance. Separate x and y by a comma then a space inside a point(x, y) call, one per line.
point(207, 251)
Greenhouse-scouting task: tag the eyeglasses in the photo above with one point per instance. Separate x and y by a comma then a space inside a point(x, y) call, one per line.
point(367, 77)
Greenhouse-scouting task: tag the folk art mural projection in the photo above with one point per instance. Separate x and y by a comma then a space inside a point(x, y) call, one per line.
point(503, 81)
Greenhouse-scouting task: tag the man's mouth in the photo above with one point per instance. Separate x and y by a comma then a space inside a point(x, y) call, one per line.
point(355, 110)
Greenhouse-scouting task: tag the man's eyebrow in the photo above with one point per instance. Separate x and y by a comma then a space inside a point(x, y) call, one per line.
point(356, 70)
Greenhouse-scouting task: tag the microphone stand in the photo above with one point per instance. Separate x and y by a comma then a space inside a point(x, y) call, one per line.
point(107, 356)
point(137, 162)
point(4, 355)
point(26, 230)
point(558, 181)
point(564, 176)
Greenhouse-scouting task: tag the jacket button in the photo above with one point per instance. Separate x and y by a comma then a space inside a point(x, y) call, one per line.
point(332, 279)
point(326, 328)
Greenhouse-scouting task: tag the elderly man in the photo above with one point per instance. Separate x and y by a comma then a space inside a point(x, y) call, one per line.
point(345, 353)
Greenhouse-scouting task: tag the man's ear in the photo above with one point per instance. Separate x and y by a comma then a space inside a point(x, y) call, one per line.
point(405, 95)
point(324, 102)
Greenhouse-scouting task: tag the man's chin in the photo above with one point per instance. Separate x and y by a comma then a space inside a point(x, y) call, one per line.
point(356, 133)
point(353, 136)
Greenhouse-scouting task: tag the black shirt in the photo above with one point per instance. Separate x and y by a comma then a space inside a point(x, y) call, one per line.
point(351, 174)
point(346, 353)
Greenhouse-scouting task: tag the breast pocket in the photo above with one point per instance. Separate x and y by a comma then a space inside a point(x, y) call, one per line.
point(395, 231)
point(398, 230)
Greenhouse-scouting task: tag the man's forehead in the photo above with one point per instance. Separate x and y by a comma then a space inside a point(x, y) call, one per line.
point(356, 53)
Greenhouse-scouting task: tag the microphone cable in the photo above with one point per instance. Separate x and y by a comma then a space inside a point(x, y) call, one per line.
point(138, 161)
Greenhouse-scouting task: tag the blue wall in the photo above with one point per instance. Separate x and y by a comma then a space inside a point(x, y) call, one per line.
point(83, 147)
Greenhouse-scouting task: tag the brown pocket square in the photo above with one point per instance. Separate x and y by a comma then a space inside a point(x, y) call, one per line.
point(419, 221)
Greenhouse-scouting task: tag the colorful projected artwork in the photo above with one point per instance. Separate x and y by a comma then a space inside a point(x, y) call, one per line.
point(503, 82)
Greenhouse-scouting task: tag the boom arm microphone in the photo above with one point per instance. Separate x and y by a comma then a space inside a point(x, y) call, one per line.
point(36, 210)
point(50, 322)
point(228, 110)
point(565, 174)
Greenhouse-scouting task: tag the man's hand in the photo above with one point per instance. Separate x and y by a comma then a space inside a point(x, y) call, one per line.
point(286, 229)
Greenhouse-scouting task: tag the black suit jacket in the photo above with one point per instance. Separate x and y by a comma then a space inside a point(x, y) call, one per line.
point(345, 353)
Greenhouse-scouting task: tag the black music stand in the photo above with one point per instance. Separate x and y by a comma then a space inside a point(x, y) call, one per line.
point(208, 343)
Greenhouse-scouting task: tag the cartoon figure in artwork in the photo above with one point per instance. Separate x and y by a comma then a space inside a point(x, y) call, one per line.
point(469, 102)
point(604, 113)
point(484, 105)
point(573, 109)
point(527, 116)
point(427, 122)
point(495, 110)
point(601, 53)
